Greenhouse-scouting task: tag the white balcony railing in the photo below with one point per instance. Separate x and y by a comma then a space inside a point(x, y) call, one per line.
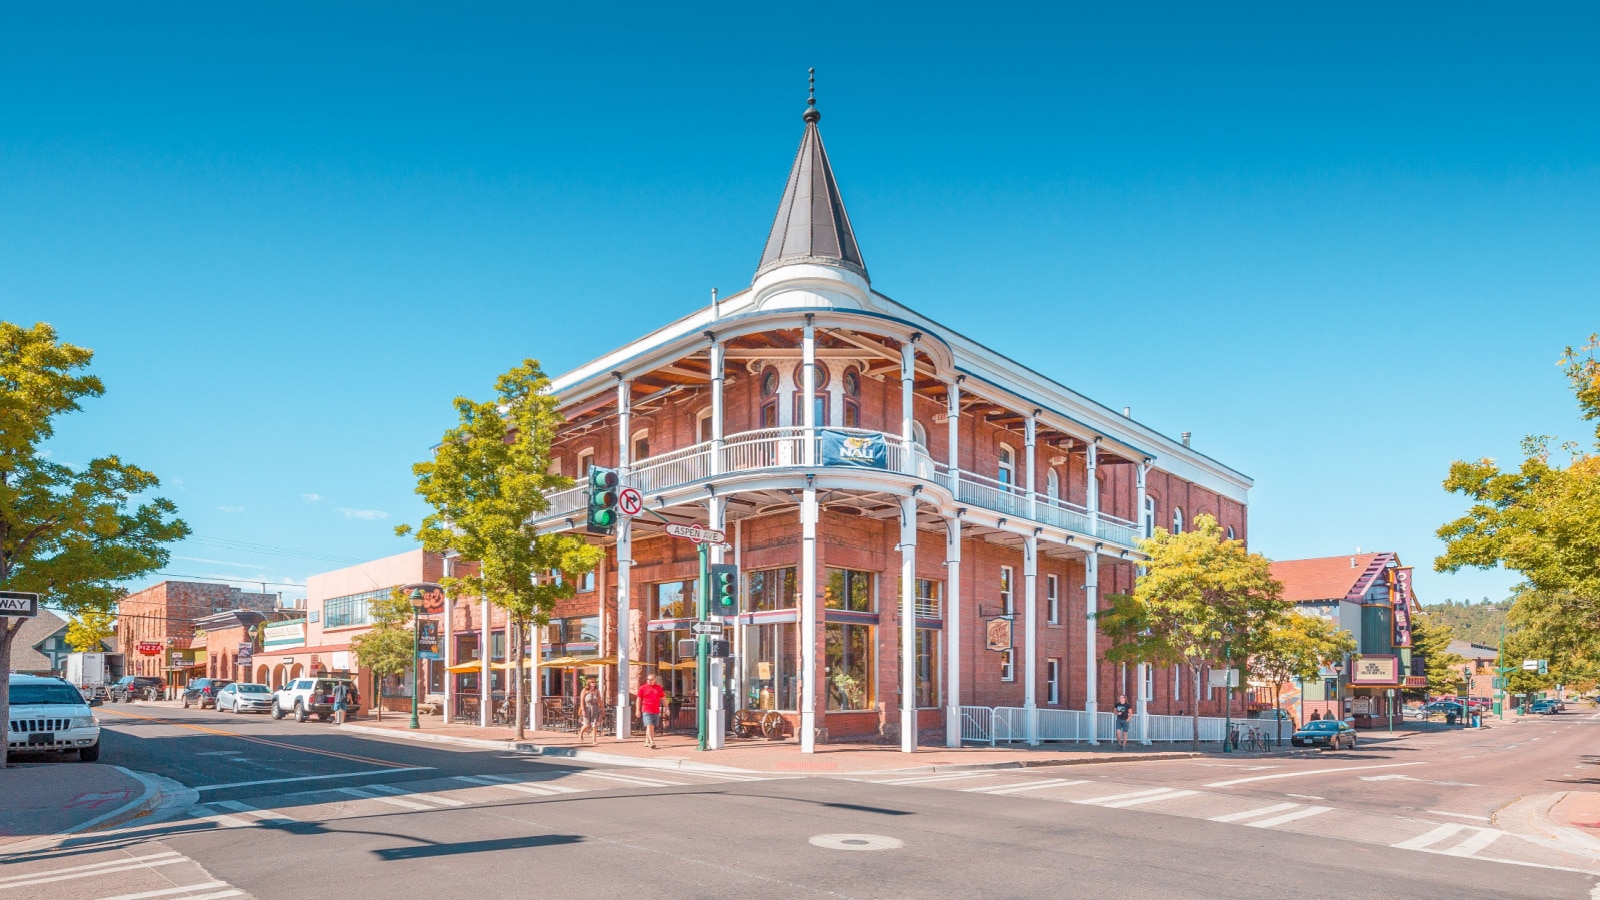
point(781, 448)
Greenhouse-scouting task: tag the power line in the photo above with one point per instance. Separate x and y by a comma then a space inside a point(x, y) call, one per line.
point(231, 580)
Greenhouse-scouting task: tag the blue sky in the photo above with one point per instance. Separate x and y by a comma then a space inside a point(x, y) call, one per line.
point(1341, 245)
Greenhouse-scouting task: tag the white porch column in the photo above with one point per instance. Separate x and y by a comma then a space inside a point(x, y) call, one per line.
point(624, 562)
point(1030, 634)
point(908, 432)
point(1091, 595)
point(908, 625)
point(1030, 432)
point(952, 630)
point(1092, 489)
point(738, 629)
point(716, 712)
point(808, 375)
point(1141, 470)
point(953, 412)
point(485, 653)
point(808, 619)
point(1142, 705)
point(717, 351)
point(447, 653)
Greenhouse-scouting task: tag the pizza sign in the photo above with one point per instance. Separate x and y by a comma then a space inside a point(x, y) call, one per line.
point(150, 648)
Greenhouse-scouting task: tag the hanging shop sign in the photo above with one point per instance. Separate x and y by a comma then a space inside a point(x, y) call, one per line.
point(1402, 607)
point(997, 633)
point(1384, 670)
point(284, 634)
point(866, 451)
point(150, 648)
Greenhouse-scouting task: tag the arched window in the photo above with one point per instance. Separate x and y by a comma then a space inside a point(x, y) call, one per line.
point(1052, 484)
point(1177, 520)
point(769, 398)
point(1230, 532)
point(703, 425)
point(819, 400)
point(852, 398)
point(640, 448)
point(1007, 468)
point(919, 435)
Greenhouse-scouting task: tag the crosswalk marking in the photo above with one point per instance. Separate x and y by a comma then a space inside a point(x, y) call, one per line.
point(933, 779)
point(143, 862)
point(1479, 841)
point(1128, 796)
point(1252, 813)
point(1423, 841)
point(392, 801)
point(122, 861)
point(1275, 821)
point(630, 779)
point(265, 815)
point(162, 892)
point(206, 814)
point(537, 790)
point(1019, 788)
point(393, 791)
point(1170, 795)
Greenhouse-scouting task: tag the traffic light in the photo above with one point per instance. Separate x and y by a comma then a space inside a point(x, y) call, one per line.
point(724, 590)
point(717, 648)
point(1544, 667)
point(602, 500)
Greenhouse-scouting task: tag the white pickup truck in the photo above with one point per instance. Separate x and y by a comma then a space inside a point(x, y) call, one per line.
point(306, 697)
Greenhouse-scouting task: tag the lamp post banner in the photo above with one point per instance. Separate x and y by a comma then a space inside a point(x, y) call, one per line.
point(867, 451)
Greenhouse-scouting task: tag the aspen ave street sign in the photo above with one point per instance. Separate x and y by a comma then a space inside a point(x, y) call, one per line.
point(697, 533)
point(18, 605)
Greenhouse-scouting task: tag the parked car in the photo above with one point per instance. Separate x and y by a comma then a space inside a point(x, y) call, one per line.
point(1270, 721)
point(306, 697)
point(243, 696)
point(49, 715)
point(1443, 708)
point(1544, 707)
point(202, 692)
point(135, 687)
point(1329, 733)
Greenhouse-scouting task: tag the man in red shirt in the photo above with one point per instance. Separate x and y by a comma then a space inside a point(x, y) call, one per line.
point(650, 696)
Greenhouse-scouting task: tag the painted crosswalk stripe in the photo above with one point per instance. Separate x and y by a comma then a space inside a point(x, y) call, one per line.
point(143, 862)
point(1275, 821)
point(392, 801)
point(537, 790)
point(1128, 796)
point(1157, 798)
point(1019, 788)
point(631, 779)
point(1423, 841)
point(932, 779)
point(162, 892)
point(173, 855)
point(206, 813)
point(393, 791)
point(265, 815)
point(1479, 841)
point(538, 783)
point(1252, 813)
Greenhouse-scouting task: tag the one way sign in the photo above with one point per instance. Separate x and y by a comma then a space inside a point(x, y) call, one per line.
point(18, 605)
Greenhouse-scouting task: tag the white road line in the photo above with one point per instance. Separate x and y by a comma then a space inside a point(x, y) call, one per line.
point(1019, 788)
point(266, 815)
point(1440, 812)
point(99, 865)
point(1423, 841)
point(1127, 796)
point(162, 892)
point(631, 779)
point(930, 779)
point(535, 790)
point(361, 774)
point(97, 872)
point(393, 791)
point(1479, 841)
point(217, 896)
point(1252, 813)
point(507, 781)
point(205, 813)
point(1235, 781)
point(1275, 821)
point(392, 801)
point(1156, 799)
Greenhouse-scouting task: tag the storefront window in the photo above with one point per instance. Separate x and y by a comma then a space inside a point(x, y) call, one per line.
point(466, 647)
point(397, 685)
point(849, 660)
point(772, 666)
point(674, 600)
point(848, 590)
point(927, 668)
point(772, 589)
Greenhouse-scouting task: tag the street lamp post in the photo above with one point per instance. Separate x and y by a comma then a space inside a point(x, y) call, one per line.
point(416, 625)
point(1338, 689)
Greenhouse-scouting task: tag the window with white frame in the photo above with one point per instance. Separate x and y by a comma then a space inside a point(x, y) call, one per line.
point(919, 435)
point(1052, 600)
point(703, 425)
point(1052, 681)
point(1052, 484)
point(1008, 672)
point(1149, 687)
point(1177, 520)
point(1177, 683)
point(640, 448)
point(585, 463)
point(1006, 594)
point(1149, 517)
point(1210, 689)
point(1230, 533)
point(1007, 470)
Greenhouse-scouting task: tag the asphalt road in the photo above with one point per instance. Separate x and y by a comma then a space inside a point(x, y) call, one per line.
point(279, 809)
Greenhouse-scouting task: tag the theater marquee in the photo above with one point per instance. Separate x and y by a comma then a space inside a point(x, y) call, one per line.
point(1379, 670)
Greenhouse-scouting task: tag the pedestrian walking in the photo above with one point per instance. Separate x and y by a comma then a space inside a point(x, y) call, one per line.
point(1123, 711)
point(589, 711)
point(341, 694)
point(650, 695)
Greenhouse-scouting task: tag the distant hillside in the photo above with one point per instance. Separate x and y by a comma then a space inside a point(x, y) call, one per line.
point(1478, 622)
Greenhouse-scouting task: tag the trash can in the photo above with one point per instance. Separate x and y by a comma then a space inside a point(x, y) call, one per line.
point(1477, 719)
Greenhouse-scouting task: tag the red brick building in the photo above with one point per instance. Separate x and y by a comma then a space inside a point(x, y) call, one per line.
point(889, 488)
point(161, 618)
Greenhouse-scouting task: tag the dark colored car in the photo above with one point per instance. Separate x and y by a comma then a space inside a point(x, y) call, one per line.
point(1544, 707)
point(1329, 733)
point(202, 692)
point(135, 687)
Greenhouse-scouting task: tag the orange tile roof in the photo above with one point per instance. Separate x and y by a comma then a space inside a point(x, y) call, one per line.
point(1324, 578)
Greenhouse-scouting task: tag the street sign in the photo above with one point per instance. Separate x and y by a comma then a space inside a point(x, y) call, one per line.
point(697, 533)
point(706, 627)
point(630, 502)
point(18, 605)
point(1530, 665)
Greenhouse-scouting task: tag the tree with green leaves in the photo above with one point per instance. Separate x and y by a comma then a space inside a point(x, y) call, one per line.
point(90, 629)
point(1296, 647)
point(72, 534)
point(389, 647)
point(1200, 599)
point(487, 480)
point(1541, 520)
point(1431, 639)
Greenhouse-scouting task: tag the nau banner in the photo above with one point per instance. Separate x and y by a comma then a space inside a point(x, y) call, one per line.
point(1402, 607)
point(865, 450)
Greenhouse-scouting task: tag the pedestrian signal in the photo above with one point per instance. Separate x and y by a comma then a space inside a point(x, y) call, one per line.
point(724, 590)
point(602, 501)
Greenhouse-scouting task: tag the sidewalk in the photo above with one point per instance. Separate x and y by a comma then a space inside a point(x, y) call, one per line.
point(52, 798)
point(677, 751)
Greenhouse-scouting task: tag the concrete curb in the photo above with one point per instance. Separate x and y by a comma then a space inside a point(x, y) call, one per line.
point(1530, 819)
point(541, 750)
point(153, 797)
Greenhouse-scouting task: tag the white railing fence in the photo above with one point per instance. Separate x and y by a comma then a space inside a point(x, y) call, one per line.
point(1007, 724)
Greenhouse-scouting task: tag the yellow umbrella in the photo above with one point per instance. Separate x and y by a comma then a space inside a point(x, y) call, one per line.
point(557, 662)
point(458, 668)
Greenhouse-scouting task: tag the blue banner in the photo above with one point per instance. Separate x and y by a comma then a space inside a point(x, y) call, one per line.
point(867, 451)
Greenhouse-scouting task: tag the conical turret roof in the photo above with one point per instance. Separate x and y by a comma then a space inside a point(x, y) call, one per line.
point(811, 225)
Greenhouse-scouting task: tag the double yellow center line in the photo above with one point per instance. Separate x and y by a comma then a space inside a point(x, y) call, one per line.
point(255, 740)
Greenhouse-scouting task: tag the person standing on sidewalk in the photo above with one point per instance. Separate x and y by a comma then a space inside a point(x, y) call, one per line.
point(650, 695)
point(341, 695)
point(589, 711)
point(1123, 711)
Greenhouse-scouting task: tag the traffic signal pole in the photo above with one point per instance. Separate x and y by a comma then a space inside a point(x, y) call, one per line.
point(702, 645)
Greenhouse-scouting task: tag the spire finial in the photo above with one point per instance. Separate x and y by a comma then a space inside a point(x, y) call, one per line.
point(812, 114)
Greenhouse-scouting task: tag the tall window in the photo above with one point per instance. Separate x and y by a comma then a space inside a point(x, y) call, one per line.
point(1149, 517)
point(930, 598)
point(769, 398)
point(852, 398)
point(672, 600)
point(641, 445)
point(1006, 594)
point(1052, 484)
point(772, 666)
point(1052, 681)
point(1177, 683)
point(1052, 600)
point(848, 656)
point(819, 401)
point(1230, 533)
point(848, 590)
point(928, 680)
point(1008, 671)
point(585, 461)
point(586, 582)
point(1148, 686)
point(772, 589)
point(703, 425)
point(1007, 473)
point(1177, 520)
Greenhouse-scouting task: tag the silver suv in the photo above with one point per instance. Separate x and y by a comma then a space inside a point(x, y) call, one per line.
point(49, 714)
point(306, 697)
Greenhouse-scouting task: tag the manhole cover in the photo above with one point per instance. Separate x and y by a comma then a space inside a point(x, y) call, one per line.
point(856, 842)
